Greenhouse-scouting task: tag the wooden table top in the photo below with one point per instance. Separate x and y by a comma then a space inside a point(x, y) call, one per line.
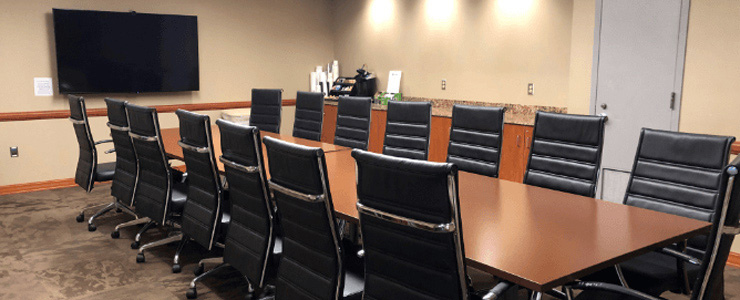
point(534, 237)
point(170, 136)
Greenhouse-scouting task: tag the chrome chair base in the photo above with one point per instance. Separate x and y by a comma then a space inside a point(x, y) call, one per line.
point(105, 209)
point(192, 293)
point(168, 240)
point(116, 232)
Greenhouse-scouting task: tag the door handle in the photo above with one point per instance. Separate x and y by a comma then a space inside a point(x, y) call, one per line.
point(518, 142)
point(527, 142)
point(606, 118)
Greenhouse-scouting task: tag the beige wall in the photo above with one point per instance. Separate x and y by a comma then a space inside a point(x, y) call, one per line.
point(242, 45)
point(581, 56)
point(487, 50)
point(710, 101)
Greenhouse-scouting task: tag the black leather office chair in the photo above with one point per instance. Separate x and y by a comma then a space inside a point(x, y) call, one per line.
point(160, 191)
point(709, 281)
point(267, 104)
point(251, 240)
point(407, 129)
point(204, 216)
point(475, 138)
point(676, 173)
point(412, 232)
point(311, 266)
point(309, 115)
point(88, 170)
point(353, 122)
point(566, 153)
point(124, 180)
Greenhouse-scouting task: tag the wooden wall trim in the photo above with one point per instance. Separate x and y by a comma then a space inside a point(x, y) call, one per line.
point(100, 112)
point(735, 148)
point(734, 260)
point(37, 186)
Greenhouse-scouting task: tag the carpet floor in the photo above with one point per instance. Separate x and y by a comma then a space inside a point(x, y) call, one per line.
point(46, 254)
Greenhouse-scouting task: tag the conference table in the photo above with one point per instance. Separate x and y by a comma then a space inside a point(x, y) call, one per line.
point(534, 237)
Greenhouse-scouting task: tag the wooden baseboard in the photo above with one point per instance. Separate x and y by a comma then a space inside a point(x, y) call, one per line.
point(735, 148)
point(37, 186)
point(734, 260)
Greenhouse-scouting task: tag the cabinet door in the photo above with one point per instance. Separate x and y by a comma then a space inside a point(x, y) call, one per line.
point(439, 138)
point(330, 124)
point(514, 152)
point(377, 130)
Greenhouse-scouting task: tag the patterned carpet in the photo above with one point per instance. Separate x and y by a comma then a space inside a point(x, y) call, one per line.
point(47, 255)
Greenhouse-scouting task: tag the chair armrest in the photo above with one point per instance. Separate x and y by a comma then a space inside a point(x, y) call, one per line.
point(498, 291)
point(103, 142)
point(608, 287)
point(680, 255)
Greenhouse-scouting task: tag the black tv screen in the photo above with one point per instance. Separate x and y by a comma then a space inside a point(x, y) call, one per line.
point(115, 52)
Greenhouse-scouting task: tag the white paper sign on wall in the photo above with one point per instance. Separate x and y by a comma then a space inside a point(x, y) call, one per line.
point(394, 82)
point(42, 86)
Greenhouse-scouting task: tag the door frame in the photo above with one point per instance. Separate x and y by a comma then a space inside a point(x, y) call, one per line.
point(680, 60)
point(678, 76)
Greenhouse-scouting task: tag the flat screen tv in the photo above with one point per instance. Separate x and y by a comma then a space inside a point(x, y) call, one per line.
point(116, 52)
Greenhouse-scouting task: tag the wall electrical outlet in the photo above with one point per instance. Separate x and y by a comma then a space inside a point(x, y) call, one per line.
point(444, 84)
point(530, 89)
point(13, 151)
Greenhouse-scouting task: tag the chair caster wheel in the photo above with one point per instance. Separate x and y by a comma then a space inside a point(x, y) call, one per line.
point(135, 245)
point(176, 269)
point(115, 234)
point(140, 258)
point(191, 294)
point(199, 270)
point(91, 227)
point(80, 218)
point(118, 210)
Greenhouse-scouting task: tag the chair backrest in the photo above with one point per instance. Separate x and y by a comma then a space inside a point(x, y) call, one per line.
point(267, 104)
point(407, 129)
point(202, 211)
point(311, 263)
point(411, 230)
point(726, 225)
point(565, 153)
point(87, 161)
point(679, 173)
point(124, 179)
point(353, 122)
point(475, 138)
point(250, 238)
point(154, 183)
point(309, 115)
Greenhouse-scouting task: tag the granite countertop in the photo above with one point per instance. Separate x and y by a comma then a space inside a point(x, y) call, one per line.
point(520, 114)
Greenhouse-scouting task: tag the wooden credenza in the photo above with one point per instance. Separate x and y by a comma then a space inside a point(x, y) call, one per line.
point(514, 148)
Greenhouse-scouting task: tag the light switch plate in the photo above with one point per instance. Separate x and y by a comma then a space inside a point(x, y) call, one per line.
point(530, 89)
point(13, 151)
point(444, 84)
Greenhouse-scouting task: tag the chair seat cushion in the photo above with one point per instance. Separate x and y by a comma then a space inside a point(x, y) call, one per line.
point(354, 283)
point(179, 196)
point(652, 273)
point(104, 172)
